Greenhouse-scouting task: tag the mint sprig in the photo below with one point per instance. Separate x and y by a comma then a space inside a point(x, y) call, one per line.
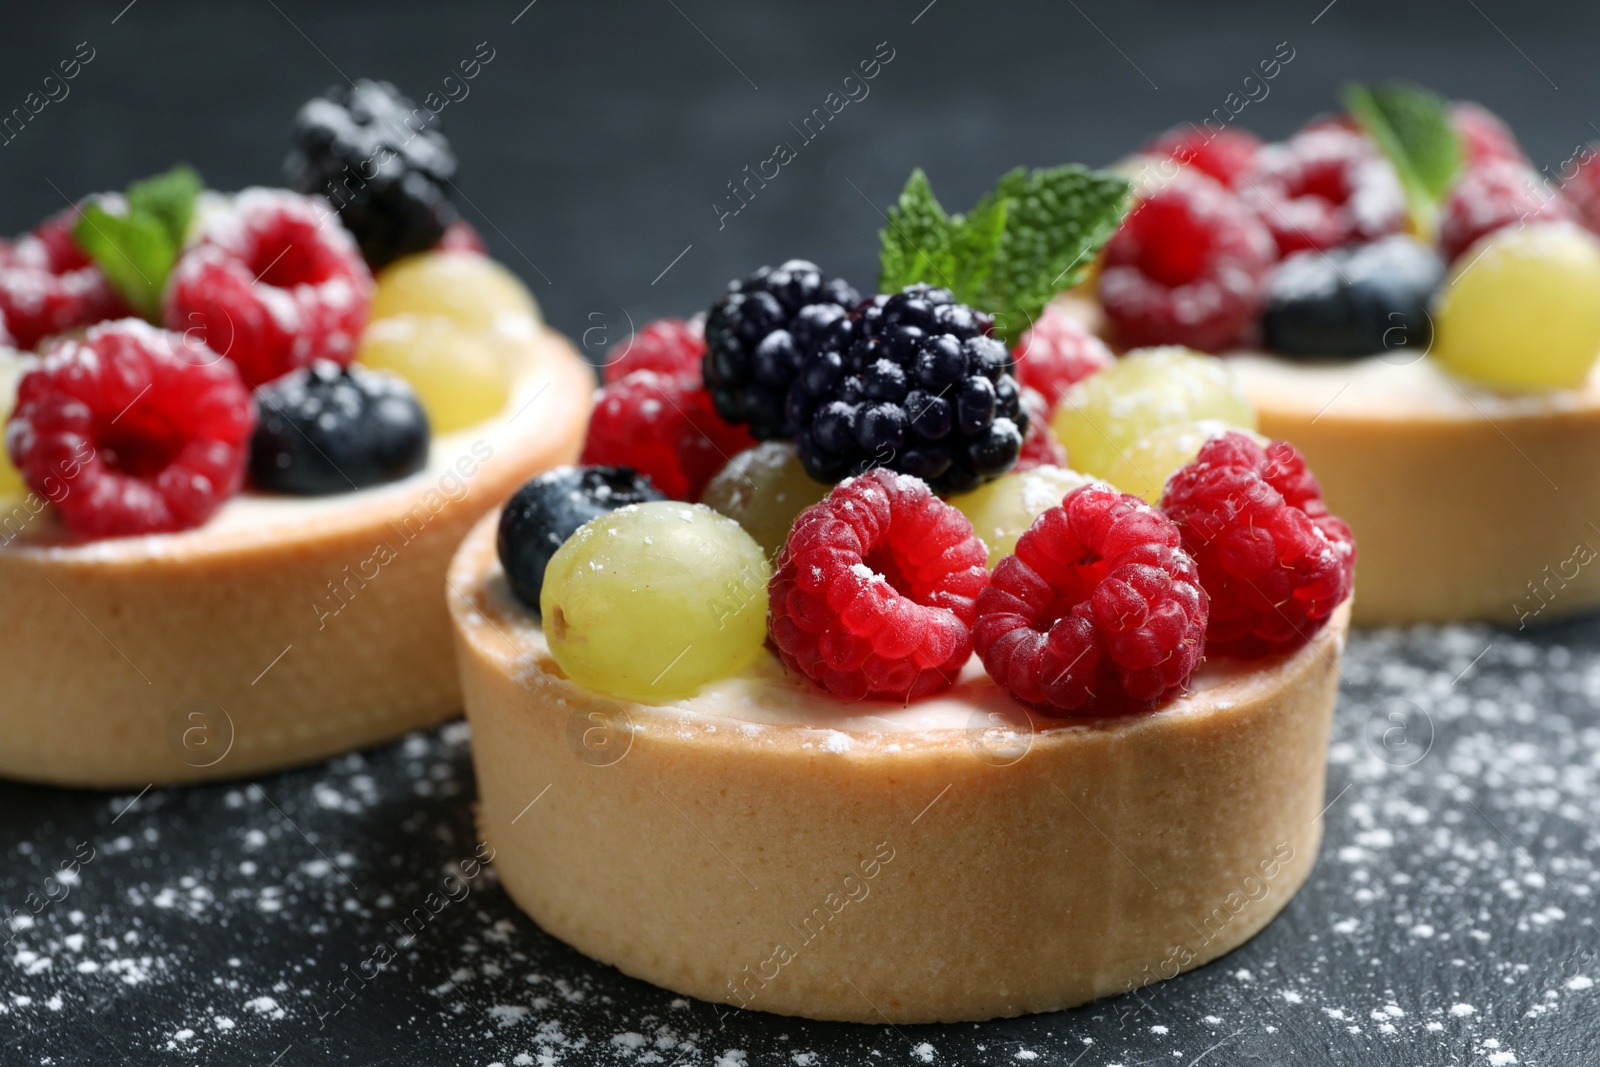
point(1030, 237)
point(1413, 128)
point(137, 247)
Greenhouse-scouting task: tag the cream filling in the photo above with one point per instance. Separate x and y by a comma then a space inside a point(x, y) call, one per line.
point(252, 518)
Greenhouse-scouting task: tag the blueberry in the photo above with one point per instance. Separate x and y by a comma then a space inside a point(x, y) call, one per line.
point(1352, 301)
point(541, 515)
point(330, 429)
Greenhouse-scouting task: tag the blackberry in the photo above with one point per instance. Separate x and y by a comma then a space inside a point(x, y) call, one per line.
point(912, 382)
point(330, 429)
point(759, 334)
point(541, 515)
point(363, 148)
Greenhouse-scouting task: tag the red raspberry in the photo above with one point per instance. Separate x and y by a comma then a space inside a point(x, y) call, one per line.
point(274, 283)
point(460, 236)
point(1040, 448)
point(875, 590)
point(48, 286)
point(667, 346)
point(131, 430)
point(1323, 188)
point(663, 426)
point(1099, 610)
point(1058, 352)
point(1582, 187)
point(1274, 561)
point(1223, 154)
point(1495, 195)
point(1187, 267)
point(1484, 135)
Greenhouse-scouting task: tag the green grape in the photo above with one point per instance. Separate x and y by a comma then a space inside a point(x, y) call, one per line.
point(1104, 414)
point(1522, 309)
point(652, 601)
point(1144, 467)
point(473, 290)
point(12, 367)
point(1002, 510)
point(763, 489)
point(459, 374)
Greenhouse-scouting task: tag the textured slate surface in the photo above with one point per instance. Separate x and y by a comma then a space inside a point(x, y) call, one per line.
point(1450, 919)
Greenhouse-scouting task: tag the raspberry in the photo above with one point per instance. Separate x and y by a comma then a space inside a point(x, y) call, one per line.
point(1186, 267)
point(914, 383)
point(667, 346)
point(272, 284)
point(1099, 611)
point(48, 286)
point(1582, 187)
point(461, 236)
point(1495, 195)
point(1274, 561)
point(1324, 188)
point(1057, 352)
point(1040, 446)
point(1484, 135)
point(131, 430)
point(666, 428)
point(760, 332)
point(875, 590)
point(1223, 154)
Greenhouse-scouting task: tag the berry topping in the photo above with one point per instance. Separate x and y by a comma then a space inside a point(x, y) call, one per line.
point(1105, 414)
point(1039, 445)
point(761, 332)
point(460, 375)
point(1484, 136)
point(1186, 268)
point(1099, 611)
point(1495, 195)
point(541, 515)
point(131, 430)
point(654, 600)
point(1057, 353)
point(330, 429)
point(763, 489)
point(460, 236)
point(1522, 309)
point(1273, 560)
point(472, 290)
point(1002, 510)
point(665, 427)
point(1223, 154)
point(666, 346)
point(48, 286)
point(363, 148)
point(875, 590)
point(272, 286)
point(1352, 301)
point(911, 382)
point(1582, 186)
point(1324, 188)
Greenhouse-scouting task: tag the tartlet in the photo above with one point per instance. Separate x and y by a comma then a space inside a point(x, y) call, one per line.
point(282, 631)
point(764, 845)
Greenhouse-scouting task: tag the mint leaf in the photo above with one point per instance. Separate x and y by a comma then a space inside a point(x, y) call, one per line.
point(918, 243)
point(1030, 237)
point(137, 248)
point(1056, 222)
point(1413, 128)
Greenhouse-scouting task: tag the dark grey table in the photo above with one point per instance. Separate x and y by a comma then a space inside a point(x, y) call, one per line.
point(1450, 919)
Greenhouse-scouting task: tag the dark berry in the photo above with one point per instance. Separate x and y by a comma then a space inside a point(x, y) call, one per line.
point(541, 515)
point(384, 169)
point(760, 333)
point(913, 384)
point(331, 429)
point(1352, 301)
